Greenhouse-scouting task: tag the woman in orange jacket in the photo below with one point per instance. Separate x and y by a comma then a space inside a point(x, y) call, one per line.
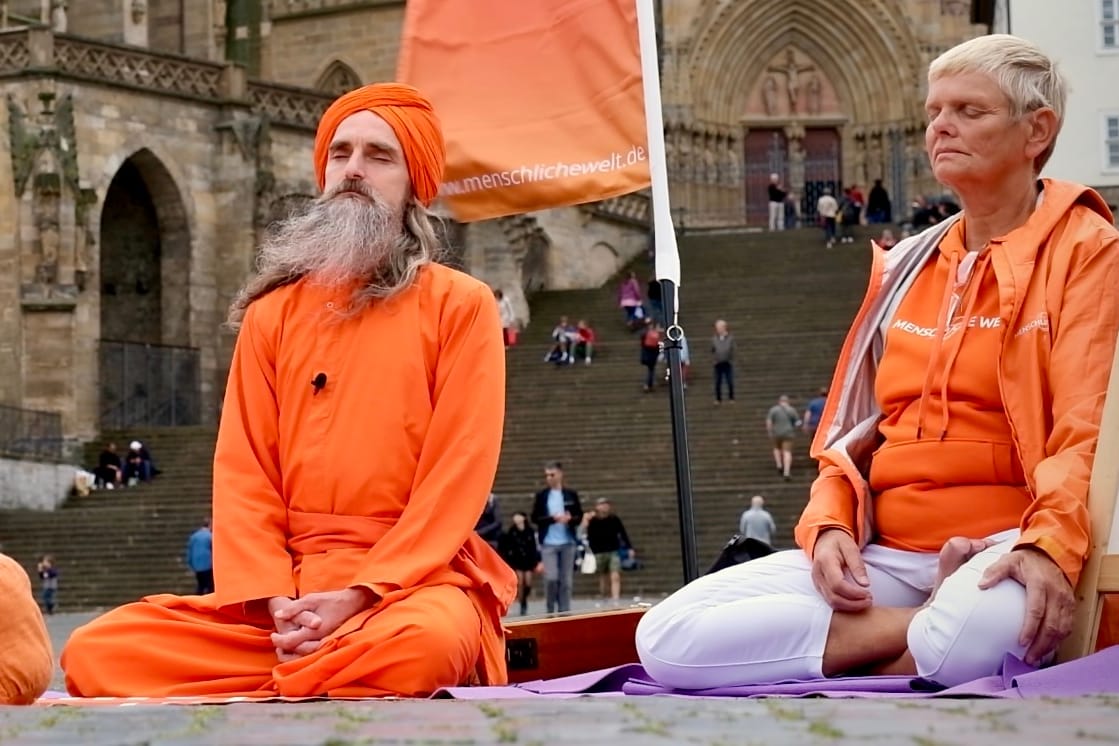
point(948, 524)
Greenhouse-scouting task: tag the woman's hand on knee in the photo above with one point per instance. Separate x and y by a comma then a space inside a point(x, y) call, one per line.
point(838, 572)
point(1049, 599)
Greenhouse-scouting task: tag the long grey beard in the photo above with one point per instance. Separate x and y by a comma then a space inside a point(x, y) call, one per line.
point(340, 239)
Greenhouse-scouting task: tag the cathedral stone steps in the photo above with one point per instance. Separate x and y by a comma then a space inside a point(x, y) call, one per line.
point(788, 302)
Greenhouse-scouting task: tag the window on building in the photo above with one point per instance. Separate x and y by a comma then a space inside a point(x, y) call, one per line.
point(1109, 23)
point(1111, 140)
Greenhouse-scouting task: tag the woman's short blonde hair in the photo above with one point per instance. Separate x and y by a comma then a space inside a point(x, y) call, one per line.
point(1028, 77)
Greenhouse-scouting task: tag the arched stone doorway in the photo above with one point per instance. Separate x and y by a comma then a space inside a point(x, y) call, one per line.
point(823, 94)
point(338, 78)
point(149, 370)
point(808, 163)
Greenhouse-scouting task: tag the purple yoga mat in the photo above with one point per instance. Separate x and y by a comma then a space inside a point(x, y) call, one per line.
point(1094, 674)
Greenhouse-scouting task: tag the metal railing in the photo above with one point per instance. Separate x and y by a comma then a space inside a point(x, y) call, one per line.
point(30, 434)
point(149, 385)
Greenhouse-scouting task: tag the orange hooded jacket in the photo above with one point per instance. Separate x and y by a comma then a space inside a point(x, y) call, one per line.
point(1056, 276)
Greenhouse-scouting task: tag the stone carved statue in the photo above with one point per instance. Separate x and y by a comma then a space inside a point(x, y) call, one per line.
point(45, 173)
point(796, 163)
point(711, 164)
point(769, 94)
point(814, 89)
point(792, 71)
point(698, 158)
point(684, 151)
point(58, 20)
point(46, 196)
point(733, 168)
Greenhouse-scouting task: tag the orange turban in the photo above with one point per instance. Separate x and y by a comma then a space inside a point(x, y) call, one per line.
point(411, 117)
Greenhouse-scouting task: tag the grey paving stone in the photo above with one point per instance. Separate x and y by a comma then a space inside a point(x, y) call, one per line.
point(584, 721)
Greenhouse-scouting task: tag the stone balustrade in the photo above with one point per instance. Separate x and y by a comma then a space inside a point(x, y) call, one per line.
point(38, 50)
point(298, 107)
point(634, 208)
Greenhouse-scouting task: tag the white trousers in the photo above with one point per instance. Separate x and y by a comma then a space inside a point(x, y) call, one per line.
point(764, 622)
point(777, 216)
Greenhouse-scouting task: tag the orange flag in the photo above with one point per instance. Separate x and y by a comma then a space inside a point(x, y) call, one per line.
point(541, 100)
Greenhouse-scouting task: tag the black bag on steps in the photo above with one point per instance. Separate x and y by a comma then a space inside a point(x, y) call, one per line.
point(738, 550)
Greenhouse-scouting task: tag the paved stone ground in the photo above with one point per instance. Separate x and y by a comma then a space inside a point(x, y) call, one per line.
point(585, 721)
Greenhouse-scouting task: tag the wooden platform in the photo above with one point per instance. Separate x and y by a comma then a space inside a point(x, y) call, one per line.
point(568, 644)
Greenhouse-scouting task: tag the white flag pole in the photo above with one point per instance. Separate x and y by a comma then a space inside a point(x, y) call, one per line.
point(667, 256)
point(667, 253)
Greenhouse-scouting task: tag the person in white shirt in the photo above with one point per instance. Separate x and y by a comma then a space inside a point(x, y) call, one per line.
point(508, 317)
point(827, 207)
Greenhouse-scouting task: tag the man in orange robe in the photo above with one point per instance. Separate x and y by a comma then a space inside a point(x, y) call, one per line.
point(26, 661)
point(358, 443)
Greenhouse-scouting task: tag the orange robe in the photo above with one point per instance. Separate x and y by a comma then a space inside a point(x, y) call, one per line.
point(376, 478)
point(26, 661)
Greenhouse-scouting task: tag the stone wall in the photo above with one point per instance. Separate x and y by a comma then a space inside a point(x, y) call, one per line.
point(34, 485)
point(585, 251)
point(363, 35)
point(165, 25)
point(98, 19)
point(291, 163)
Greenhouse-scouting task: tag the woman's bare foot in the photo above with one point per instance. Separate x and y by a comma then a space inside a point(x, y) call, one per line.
point(953, 555)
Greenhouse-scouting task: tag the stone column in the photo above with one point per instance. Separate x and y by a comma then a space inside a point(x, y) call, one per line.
point(678, 168)
point(856, 172)
point(794, 138)
point(920, 173)
point(695, 195)
point(875, 159)
point(47, 347)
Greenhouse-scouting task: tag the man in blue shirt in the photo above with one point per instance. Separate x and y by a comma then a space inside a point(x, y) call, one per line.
point(556, 511)
point(813, 412)
point(200, 558)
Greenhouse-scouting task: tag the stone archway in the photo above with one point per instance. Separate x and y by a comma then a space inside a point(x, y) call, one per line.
point(830, 84)
point(149, 370)
point(145, 256)
point(737, 45)
point(131, 292)
point(338, 78)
